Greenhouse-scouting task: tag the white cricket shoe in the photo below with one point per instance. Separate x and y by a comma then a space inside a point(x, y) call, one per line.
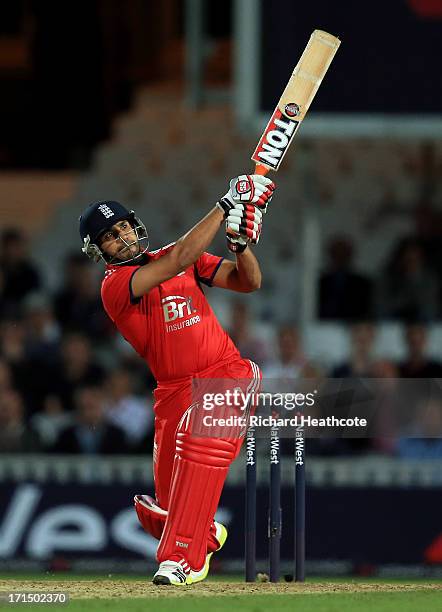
point(179, 573)
point(173, 572)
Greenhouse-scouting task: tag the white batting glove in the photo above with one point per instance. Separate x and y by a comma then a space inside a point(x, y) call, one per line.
point(243, 225)
point(248, 189)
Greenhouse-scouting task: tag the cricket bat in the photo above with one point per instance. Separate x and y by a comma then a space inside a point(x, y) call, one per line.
point(295, 101)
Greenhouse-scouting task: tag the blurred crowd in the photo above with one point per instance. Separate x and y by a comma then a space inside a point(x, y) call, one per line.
point(64, 386)
point(68, 383)
point(408, 288)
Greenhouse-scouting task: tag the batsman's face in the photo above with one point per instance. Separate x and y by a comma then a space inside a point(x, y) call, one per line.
point(120, 242)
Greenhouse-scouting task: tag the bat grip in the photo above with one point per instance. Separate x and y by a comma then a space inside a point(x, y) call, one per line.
point(262, 170)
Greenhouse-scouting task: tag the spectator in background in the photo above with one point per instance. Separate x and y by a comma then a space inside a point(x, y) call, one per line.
point(408, 289)
point(362, 337)
point(50, 421)
point(385, 421)
point(76, 369)
point(124, 409)
point(77, 305)
point(241, 334)
point(417, 364)
point(6, 382)
point(428, 223)
point(20, 275)
point(283, 279)
point(428, 228)
point(13, 349)
point(29, 345)
point(42, 331)
point(91, 433)
point(15, 435)
point(344, 294)
point(3, 303)
point(312, 378)
point(290, 359)
point(425, 442)
point(130, 360)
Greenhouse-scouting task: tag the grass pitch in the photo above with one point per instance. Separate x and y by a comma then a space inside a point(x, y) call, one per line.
point(134, 594)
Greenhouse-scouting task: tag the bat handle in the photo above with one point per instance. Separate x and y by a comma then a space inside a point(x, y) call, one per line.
point(262, 170)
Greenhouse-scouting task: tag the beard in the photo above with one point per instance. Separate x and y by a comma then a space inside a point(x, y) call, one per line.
point(133, 250)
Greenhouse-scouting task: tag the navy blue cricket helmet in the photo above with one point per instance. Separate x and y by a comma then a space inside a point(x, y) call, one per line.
point(98, 218)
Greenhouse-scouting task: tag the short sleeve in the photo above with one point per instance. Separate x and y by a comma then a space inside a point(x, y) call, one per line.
point(116, 291)
point(206, 267)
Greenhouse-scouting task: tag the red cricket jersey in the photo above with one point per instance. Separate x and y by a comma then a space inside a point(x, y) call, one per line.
point(173, 327)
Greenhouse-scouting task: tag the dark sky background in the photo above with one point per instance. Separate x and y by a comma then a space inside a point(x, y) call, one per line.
point(84, 60)
point(388, 62)
point(77, 63)
point(55, 107)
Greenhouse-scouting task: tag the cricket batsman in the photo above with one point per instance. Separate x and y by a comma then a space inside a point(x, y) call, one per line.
point(156, 300)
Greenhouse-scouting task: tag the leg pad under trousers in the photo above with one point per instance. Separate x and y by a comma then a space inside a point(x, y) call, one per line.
point(199, 471)
point(153, 518)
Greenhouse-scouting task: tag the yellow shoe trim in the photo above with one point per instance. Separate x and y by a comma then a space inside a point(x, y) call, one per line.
point(221, 536)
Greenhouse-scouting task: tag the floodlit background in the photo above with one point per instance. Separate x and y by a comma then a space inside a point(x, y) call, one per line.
point(158, 105)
